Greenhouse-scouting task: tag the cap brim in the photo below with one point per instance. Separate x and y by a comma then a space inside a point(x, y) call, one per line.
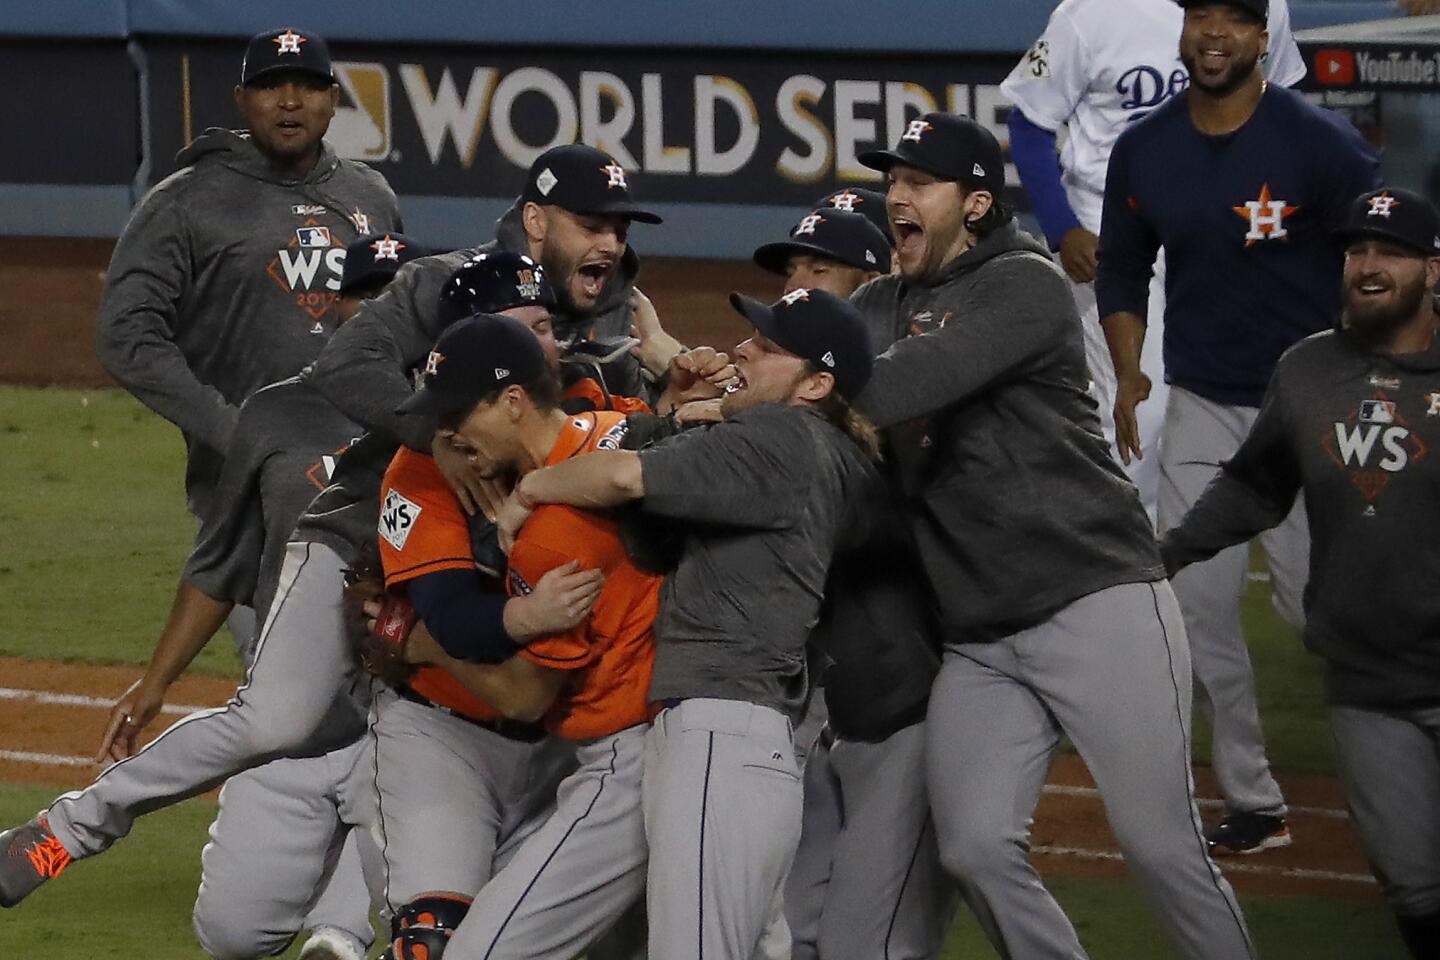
point(431, 403)
point(288, 68)
point(775, 256)
point(623, 209)
point(883, 160)
point(760, 315)
point(1346, 234)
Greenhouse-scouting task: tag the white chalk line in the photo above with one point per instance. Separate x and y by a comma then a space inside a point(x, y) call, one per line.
point(1229, 865)
point(1065, 790)
point(77, 700)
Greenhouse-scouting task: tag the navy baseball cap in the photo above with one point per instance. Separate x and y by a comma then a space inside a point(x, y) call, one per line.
point(492, 283)
point(820, 327)
point(473, 358)
point(847, 238)
point(949, 146)
point(375, 257)
point(1260, 9)
point(871, 203)
point(582, 180)
point(297, 51)
point(1393, 213)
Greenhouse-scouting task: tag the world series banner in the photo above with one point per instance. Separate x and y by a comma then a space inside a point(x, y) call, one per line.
point(720, 127)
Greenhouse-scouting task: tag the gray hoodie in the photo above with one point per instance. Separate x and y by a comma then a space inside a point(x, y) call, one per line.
point(1017, 506)
point(367, 367)
point(224, 281)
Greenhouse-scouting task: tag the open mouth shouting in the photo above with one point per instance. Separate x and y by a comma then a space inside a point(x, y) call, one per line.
point(590, 278)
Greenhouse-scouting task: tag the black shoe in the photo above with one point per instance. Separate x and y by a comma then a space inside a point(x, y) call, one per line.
point(1246, 833)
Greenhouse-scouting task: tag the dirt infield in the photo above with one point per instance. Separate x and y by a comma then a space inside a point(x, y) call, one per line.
point(53, 714)
point(50, 293)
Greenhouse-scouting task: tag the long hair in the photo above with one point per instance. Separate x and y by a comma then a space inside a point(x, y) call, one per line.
point(851, 422)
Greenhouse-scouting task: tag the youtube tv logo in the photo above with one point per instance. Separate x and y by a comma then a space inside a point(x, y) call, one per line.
point(1335, 67)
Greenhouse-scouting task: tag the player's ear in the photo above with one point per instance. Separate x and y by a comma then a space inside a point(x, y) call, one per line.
point(816, 387)
point(334, 98)
point(239, 96)
point(976, 204)
point(1432, 273)
point(534, 222)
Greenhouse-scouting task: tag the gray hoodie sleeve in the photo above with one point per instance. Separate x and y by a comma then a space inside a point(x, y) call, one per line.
point(150, 272)
point(364, 369)
point(1017, 310)
point(225, 561)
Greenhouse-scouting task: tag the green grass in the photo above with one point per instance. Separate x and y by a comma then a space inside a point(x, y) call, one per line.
point(95, 532)
point(92, 503)
point(135, 901)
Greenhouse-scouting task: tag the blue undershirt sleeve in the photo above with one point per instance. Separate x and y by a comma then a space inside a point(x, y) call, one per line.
point(1033, 150)
point(466, 619)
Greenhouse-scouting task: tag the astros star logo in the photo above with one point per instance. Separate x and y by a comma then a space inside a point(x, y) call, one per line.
point(916, 130)
point(288, 42)
point(361, 221)
point(616, 173)
point(806, 227)
point(1380, 206)
point(432, 363)
point(795, 296)
point(1266, 216)
point(1434, 400)
point(387, 248)
point(845, 200)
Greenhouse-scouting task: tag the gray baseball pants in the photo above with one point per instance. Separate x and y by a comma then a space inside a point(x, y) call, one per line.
point(1390, 767)
point(722, 799)
point(450, 799)
point(282, 856)
point(1112, 671)
point(867, 882)
point(1199, 436)
point(574, 876)
point(304, 695)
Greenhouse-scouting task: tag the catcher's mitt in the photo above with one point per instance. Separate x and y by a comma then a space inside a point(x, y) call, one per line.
point(382, 647)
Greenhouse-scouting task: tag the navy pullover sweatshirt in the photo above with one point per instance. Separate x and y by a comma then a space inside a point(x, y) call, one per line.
point(1245, 220)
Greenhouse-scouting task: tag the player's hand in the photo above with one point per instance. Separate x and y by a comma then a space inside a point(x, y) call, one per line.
point(1079, 249)
point(509, 519)
point(700, 374)
point(458, 472)
point(560, 601)
point(656, 347)
point(132, 713)
point(1130, 390)
point(700, 411)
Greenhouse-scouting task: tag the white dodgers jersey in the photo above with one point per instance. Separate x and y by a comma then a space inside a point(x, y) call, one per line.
point(1103, 64)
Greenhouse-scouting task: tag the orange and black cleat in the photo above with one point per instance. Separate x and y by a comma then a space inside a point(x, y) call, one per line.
point(29, 855)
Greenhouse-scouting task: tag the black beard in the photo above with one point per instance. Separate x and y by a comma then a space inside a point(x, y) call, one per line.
point(1234, 79)
point(1375, 326)
point(570, 318)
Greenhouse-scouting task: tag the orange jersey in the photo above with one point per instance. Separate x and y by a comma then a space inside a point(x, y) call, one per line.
point(612, 652)
point(422, 530)
point(591, 392)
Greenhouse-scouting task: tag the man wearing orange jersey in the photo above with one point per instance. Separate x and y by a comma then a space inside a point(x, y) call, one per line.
point(490, 384)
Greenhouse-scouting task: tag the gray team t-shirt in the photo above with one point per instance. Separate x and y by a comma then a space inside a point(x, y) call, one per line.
point(765, 496)
point(280, 458)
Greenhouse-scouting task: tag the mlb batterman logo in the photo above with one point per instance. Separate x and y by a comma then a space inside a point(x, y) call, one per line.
point(288, 42)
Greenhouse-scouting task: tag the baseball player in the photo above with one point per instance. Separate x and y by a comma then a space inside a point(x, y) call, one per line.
point(258, 885)
point(573, 218)
point(1348, 418)
point(1250, 269)
point(1053, 607)
point(194, 317)
point(493, 385)
point(784, 475)
point(1099, 67)
point(829, 250)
